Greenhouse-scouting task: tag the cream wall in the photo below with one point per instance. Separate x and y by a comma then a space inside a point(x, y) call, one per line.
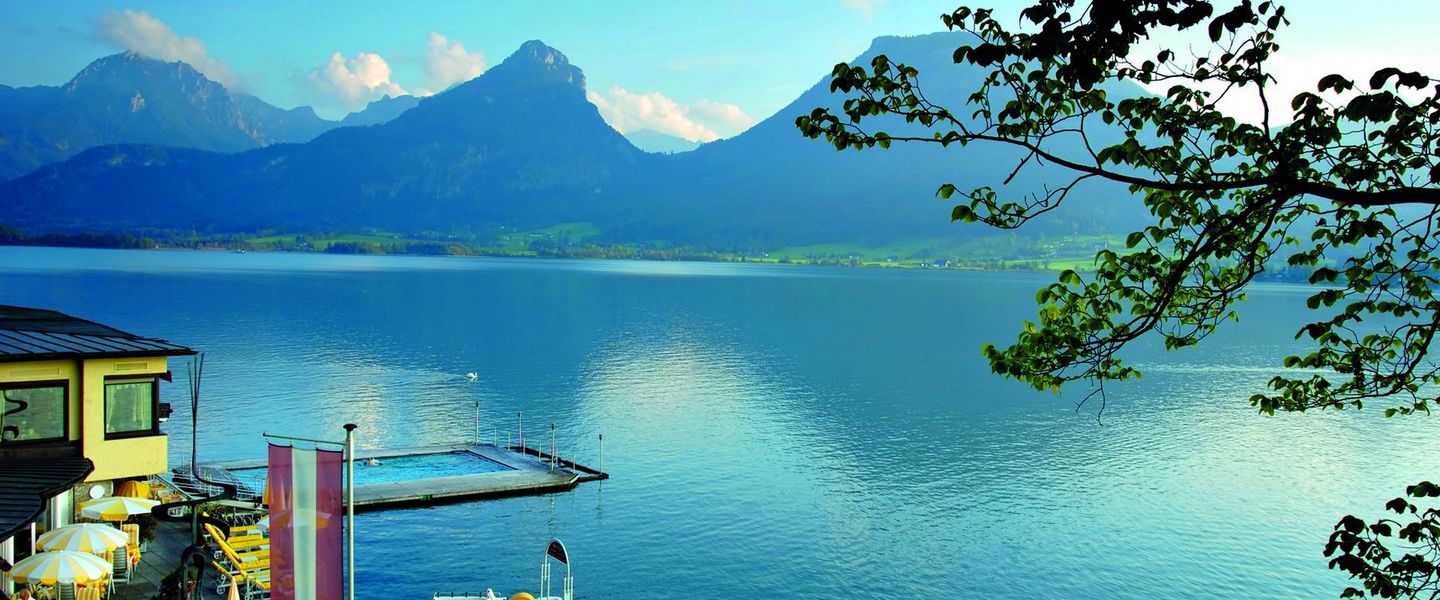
point(48, 370)
point(128, 457)
point(114, 459)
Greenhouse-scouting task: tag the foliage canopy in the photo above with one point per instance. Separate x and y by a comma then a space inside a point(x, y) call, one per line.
point(1343, 180)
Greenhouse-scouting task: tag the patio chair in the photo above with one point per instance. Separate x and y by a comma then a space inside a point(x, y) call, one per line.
point(134, 532)
point(222, 583)
point(242, 531)
point(88, 593)
point(257, 584)
point(64, 591)
point(250, 559)
point(238, 542)
point(256, 579)
point(120, 558)
point(245, 520)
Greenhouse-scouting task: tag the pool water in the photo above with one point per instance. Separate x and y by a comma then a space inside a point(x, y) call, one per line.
point(403, 468)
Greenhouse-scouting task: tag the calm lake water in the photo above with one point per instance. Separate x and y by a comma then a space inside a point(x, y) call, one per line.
point(772, 431)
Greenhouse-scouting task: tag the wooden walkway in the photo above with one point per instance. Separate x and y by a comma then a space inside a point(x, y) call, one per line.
point(161, 557)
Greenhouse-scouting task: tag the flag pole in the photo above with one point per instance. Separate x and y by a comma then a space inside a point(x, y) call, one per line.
point(350, 511)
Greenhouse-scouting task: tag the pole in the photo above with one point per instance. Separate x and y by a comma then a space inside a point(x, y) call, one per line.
point(602, 453)
point(552, 447)
point(477, 422)
point(350, 511)
point(521, 415)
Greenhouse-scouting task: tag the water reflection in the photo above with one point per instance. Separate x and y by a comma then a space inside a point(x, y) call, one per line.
point(816, 432)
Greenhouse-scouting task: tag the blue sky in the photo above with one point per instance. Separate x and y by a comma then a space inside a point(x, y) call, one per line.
point(696, 69)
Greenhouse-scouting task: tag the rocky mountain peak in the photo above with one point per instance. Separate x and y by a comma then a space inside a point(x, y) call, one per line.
point(536, 56)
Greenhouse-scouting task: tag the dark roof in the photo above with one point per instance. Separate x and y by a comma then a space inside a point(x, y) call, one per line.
point(38, 334)
point(26, 484)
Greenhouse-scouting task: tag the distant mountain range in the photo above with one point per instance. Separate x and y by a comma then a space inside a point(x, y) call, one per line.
point(380, 111)
point(650, 140)
point(517, 147)
point(130, 99)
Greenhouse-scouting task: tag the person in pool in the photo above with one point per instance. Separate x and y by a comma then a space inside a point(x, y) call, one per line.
point(373, 462)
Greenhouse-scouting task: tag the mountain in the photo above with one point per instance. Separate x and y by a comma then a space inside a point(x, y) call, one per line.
point(518, 144)
point(274, 125)
point(650, 140)
point(520, 147)
point(770, 186)
point(380, 111)
point(128, 98)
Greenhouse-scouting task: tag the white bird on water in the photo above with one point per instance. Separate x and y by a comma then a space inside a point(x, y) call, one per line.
point(472, 376)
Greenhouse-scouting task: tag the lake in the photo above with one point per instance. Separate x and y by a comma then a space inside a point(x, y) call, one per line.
point(803, 432)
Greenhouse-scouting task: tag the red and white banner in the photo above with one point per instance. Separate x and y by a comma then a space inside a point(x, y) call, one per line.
point(306, 505)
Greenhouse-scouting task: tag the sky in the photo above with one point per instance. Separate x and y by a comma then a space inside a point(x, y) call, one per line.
point(701, 70)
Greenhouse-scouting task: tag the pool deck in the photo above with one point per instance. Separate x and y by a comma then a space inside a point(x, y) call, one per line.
point(530, 473)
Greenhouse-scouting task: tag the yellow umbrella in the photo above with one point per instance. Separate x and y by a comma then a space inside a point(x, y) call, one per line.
point(116, 508)
point(133, 489)
point(61, 566)
point(84, 537)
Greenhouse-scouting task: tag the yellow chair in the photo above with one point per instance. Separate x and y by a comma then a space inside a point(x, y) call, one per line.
point(241, 530)
point(132, 549)
point(239, 543)
point(248, 558)
point(257, 579)
point(251, 568)
point(222, 583)
point(243, 544)
point(238, 530)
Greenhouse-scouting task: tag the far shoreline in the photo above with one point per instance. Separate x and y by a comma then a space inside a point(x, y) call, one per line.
point(1009, 266)
point(578, 240)
point(702, 257)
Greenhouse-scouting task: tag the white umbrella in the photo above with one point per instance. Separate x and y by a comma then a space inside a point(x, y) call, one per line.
point(84, 537)
point(116, 508)
point(61, 566)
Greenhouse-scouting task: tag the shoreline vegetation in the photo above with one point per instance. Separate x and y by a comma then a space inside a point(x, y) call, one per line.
point(571, 241)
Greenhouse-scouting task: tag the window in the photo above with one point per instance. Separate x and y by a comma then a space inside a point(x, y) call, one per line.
point(130, 408)
point(33, 412)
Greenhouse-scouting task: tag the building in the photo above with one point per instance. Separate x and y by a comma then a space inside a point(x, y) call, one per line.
point(79, 411)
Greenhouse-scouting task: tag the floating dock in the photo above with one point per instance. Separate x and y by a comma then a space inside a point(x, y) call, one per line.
point(529, 471)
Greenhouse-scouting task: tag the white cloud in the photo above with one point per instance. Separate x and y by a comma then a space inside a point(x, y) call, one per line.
point(353, 82)
point(866, 8)
point(447, 62)
point(722, 117)
point(705, 121)
point(149, 36)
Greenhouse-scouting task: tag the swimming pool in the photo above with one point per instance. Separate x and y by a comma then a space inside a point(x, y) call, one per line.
point(400, 468)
